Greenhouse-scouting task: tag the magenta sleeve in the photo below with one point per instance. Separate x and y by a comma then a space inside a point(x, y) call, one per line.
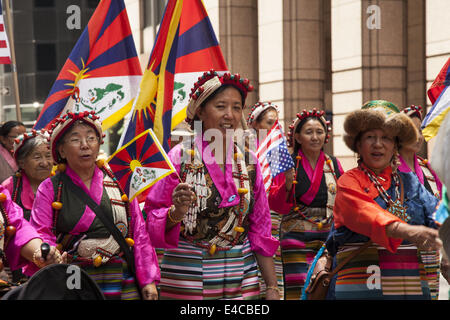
point(146, 261)
point(157, 205)
point(260, 228)
point(24, 233)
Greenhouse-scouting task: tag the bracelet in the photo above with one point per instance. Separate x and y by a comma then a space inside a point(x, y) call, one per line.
point(172, 209)
point(273, 288)
point(37, 263)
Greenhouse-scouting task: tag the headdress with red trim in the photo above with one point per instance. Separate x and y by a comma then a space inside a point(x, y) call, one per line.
point(20, 140)
point(259, 108)
point(414, 110)
point(61, 125)
point(209, 82)
point(314, 113)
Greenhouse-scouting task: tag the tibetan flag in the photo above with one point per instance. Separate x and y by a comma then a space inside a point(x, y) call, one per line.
point(102, 72)
point(439, 94)
point(140, 163)
point(185, 47)
point(5, 53)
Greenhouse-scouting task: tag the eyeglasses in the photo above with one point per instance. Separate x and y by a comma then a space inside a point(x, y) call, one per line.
point(76, 141)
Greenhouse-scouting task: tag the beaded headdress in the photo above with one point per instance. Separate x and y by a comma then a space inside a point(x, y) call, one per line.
point(20, 140)
point(379, 114)
point(259, 108)
point(314, 113)
point(61, 125)
point(414, 110)
point(208, 83)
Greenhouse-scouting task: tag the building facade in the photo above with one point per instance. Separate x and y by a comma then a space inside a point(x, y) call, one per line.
point(329, 54)
point(43, 41)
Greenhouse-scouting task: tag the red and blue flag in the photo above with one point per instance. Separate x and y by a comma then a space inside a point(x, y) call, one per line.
point(140, 164)
point(185, 47)
point(102, 73)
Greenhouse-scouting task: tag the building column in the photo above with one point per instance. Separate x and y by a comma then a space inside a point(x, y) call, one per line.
point(416, 86)
point(384, 51)
point(304, 63)
point(369, 60)
point(238, 37)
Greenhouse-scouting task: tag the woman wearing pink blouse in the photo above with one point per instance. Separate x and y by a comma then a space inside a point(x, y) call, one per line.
point(212, 216)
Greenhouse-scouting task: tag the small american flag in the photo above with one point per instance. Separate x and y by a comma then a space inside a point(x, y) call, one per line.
point(273, 155)
point(5, 53)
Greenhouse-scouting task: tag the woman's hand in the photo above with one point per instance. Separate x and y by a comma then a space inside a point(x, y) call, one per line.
point(423, 237)
point(290, 176)
point(182, 197)
point(149, 292)
point(272, 294)
point(53, 257)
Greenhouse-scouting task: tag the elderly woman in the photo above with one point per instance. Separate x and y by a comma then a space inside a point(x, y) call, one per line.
point(216, 220)
point(35, 163)
point(392, 209)
point(81, 208)
point(20, 244)
point(32, 154)
point(305, 198)
point(9, 131)
point(262, 117)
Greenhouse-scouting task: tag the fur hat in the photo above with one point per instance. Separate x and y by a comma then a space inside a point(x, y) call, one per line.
point(379, 114)
point(61, 125)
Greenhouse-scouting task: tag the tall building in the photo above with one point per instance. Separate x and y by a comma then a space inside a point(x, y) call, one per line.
point(43, 40)
point(330, 54)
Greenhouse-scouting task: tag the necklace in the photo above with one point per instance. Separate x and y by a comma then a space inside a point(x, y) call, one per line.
point(242, 191)
point(320, 223)
point(395, 207)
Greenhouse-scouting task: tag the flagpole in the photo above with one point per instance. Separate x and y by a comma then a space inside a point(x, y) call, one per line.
point(13, 61)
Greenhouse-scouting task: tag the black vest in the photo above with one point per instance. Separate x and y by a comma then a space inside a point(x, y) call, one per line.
point(72, 211)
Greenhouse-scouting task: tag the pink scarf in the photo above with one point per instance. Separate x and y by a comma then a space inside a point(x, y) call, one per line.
point(315, 176)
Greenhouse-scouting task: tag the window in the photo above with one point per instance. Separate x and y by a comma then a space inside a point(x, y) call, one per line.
point(92, 4)
point(45, 57)
point(44, 3)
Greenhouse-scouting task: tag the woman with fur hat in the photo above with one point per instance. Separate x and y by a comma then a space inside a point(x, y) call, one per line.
point(32, 154)
point(305, 198)
point(212, 215)
point(62, 216)
point(375, 202)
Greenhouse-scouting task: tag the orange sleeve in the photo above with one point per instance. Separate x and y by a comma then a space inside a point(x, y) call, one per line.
point(355, 209)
